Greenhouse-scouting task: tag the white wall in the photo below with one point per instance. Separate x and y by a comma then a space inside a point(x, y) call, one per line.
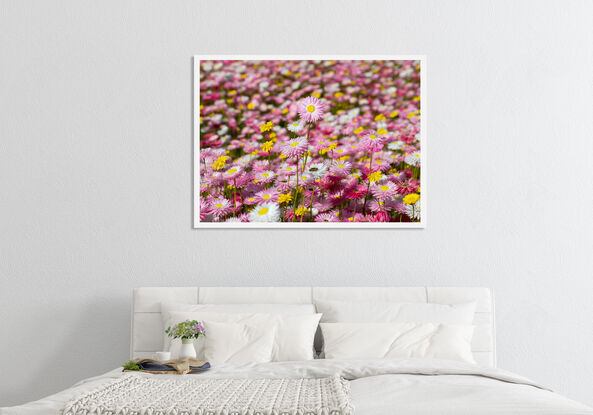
point(95, 172)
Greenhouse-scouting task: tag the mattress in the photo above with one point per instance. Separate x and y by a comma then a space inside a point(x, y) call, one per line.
point(378, 386)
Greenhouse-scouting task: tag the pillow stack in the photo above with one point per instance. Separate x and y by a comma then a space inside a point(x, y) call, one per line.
point(247, 333)
point(396, 330)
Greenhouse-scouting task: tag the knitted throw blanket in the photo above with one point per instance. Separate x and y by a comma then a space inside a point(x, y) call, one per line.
point(141, 395)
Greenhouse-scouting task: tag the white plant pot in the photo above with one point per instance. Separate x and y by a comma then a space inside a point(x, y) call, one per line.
point(187, 348)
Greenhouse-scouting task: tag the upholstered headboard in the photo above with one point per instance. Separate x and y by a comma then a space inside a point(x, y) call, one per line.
point(147, 335)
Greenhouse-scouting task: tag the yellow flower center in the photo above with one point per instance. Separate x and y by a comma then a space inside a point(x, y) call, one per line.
point(416, 155)
point(294, 144)
point(372, 136)
point(295, 124)
point(265, 175)
point(340, 151)
point(232, 171)
point(219, 205)
point(384, 188)
point(251, 199)
point(310, 108)
point(266, 197)
point(341, 166)
point(289, 169)
point(262, 211)
point(304, 177)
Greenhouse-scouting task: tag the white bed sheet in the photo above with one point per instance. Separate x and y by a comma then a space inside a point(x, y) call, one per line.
point(381, 386)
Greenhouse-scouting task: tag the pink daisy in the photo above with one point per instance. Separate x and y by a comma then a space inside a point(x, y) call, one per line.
point(266, 196)
point(204, 208)
point(376, 206)
point(265, 176)
point(220, 207)
point(405, 187)
point(384, 191)
point(311, 109)
point(326, 217)
point(340, 168)
point(356, 192)
point(250, 200)
point(371, 141)
point(295, 147)
point(288, 169)
point(381, 217)
point(232, 173)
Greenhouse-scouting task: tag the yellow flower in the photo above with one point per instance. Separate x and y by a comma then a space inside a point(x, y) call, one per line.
point(284, 198)
point(232, 92)
point(381, 131)
point(380, 117)
point(220, 162)
point(332, 146)
point(411, 198)
point(250, 106)
point(267, 146)
point(358, 130)
point(285, 111)
point(416, 98)
point(272, 134)
point(267, 126)
point(338, 94)
point(300, 211)
point(316, 94)
point(254, 153)
point(375, 177)
point(394, 114)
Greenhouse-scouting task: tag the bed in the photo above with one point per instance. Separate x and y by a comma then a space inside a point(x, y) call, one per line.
point(375, 384)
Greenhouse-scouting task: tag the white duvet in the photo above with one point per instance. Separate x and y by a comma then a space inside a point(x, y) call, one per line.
point(380, 387)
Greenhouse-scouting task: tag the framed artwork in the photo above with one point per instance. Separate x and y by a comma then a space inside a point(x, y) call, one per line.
point(309, 141)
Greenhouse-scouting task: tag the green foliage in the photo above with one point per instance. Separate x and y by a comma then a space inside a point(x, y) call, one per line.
point(131, 365)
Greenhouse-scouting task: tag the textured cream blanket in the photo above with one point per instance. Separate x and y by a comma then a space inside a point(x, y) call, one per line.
point(140, 395)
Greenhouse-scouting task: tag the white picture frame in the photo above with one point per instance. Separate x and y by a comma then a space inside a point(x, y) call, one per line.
point(198, 224)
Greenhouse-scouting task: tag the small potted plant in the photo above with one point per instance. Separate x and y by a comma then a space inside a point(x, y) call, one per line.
point(187, 331)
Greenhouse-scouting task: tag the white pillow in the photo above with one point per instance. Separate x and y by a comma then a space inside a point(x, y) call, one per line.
point(237, 343)
point(168, 307)
point(393, 340)
point(383, 312)
point(293, 334)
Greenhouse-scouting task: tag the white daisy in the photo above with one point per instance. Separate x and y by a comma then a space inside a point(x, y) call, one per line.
point(413, 211)
point(245, 160)
point(413, 159)
point(395, 145)
point(317, 170)
point(296, 127)
point(266, 212)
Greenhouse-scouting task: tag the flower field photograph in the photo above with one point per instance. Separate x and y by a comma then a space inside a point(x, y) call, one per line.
point(308, 142)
